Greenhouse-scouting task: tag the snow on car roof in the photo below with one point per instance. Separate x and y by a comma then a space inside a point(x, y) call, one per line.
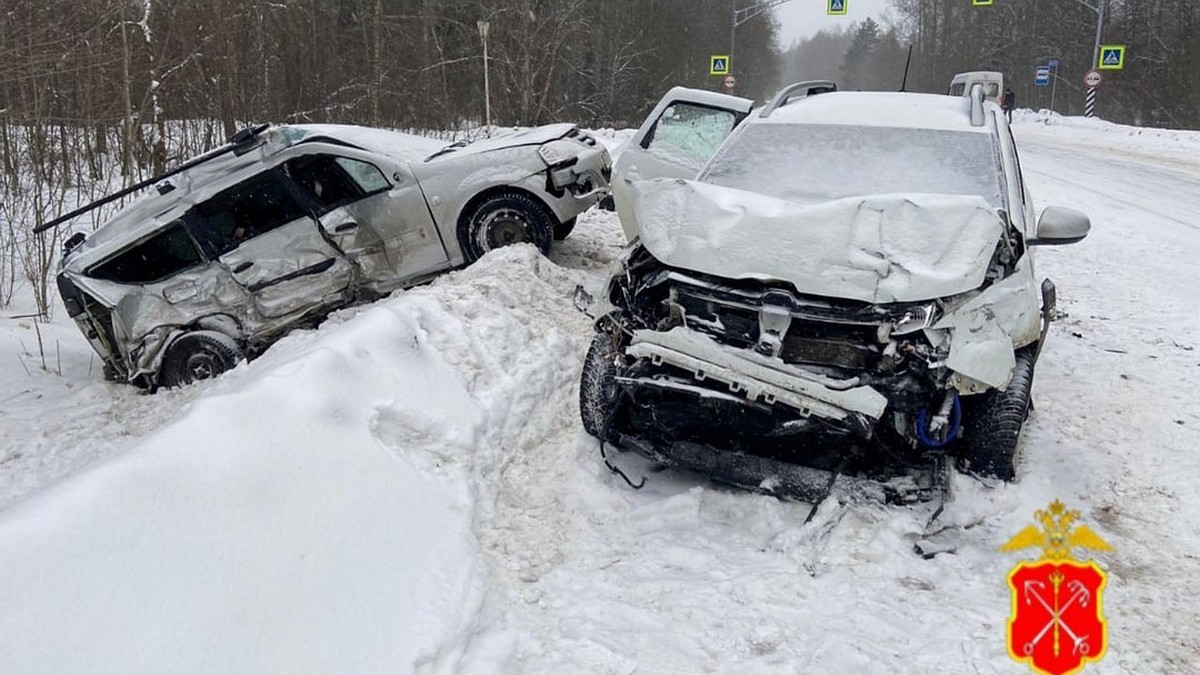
point(397, 144)
point(879, 109)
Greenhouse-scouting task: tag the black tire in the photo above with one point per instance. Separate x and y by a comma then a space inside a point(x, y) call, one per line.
point(993, 423)
point(503, 219)
point(200, 355)
point(597, 386)
point(564, 229)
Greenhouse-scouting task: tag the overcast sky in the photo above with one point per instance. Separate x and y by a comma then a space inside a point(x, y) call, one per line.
point(803, 18)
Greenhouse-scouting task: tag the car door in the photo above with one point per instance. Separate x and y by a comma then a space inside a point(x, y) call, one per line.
point(677, 139)
point(260, 230)
point(374, 211)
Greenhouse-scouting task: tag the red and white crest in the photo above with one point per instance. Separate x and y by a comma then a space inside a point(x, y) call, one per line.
point(1057, 625)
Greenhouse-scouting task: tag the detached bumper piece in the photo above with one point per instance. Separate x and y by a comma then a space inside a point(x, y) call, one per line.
point(761, 380)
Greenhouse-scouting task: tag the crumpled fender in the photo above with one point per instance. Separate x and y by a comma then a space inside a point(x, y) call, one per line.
point(986, 327)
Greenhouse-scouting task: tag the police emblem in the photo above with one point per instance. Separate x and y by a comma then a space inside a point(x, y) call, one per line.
point(1057, 624)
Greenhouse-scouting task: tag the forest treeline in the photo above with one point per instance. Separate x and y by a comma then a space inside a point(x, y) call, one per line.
point(395, 63)
point(1159, 86)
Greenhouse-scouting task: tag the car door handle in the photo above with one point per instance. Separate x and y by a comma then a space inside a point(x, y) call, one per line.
point(242, 267)
point(345, 227)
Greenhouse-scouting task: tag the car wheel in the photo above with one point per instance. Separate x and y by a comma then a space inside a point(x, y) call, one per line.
point(993, 423)
point(201, 355)
point(598, 385)
point(563, 230)
point(505, 219)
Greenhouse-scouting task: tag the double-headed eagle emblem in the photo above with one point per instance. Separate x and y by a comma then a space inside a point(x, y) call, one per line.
point(1058, 535)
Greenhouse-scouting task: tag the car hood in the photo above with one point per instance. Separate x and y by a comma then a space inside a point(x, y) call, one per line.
point(879, 249)
point(534, 136)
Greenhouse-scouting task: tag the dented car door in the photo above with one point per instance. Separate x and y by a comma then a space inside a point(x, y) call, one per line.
point(677, 139)
point(373, 210)
point(260, 231)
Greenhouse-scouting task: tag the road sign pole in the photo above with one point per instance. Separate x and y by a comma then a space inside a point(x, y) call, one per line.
point(1053, 85)
point(1089, 107)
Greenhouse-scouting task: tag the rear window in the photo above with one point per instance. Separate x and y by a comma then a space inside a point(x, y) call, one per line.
point(814, 163)
point(163, 255)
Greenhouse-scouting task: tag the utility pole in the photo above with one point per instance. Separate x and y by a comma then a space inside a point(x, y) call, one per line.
point(740, 16)
point(484, 27)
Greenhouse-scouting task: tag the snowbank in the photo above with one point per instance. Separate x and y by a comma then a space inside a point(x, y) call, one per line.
point(282, 525)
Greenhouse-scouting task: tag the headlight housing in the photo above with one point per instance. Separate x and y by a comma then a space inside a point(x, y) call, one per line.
point(916, 319)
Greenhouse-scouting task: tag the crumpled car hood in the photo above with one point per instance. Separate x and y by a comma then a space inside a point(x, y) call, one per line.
point(879, 249)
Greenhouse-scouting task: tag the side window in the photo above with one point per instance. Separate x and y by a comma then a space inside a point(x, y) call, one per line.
point(162, 255)
point(689, 134)
point(958, 89)
point(369, 178)
point(242, 212)
point(332, 181)
point(991, 90)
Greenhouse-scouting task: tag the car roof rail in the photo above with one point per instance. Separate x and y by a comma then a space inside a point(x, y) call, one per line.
point(977, 117)
point(809, 87)
point(239, 143)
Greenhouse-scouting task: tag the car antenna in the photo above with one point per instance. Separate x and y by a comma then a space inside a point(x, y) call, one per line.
point(907, 61)
point(237, 143)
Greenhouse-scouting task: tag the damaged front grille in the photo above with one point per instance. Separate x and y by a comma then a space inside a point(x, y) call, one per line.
point(815, 344)
point(776, 322)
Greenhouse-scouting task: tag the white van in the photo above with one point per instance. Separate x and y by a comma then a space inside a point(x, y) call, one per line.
point(993, 84)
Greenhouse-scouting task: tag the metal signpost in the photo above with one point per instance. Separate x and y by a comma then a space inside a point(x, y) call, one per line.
point(1053, 65)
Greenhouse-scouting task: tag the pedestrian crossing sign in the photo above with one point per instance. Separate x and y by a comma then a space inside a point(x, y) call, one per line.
point(718, 64)
point(981, 3)
point(1112, 57)
point(838, 7)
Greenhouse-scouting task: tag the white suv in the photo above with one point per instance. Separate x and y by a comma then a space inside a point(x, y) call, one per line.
point(839, 283)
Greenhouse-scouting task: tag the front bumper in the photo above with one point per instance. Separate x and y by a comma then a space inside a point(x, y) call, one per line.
point(760, 379)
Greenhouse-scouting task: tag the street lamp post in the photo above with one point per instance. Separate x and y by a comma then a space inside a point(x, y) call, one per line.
point(484, 28)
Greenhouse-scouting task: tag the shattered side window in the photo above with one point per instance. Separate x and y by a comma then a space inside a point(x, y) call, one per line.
point(689, 134)
point(242, 212)
point(368, 176)
point(163, 255)
point(325, 180)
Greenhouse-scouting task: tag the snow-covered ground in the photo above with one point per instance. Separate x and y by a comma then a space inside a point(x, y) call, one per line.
point(407, 488)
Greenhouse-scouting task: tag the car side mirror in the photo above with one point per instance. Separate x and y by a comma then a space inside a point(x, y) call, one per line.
point(1060, 225)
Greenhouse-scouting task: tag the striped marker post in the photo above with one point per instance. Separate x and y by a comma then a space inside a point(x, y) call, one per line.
point(1089, 105)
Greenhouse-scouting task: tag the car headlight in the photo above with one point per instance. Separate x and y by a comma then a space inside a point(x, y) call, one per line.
point(559, 153)
point(915, 319)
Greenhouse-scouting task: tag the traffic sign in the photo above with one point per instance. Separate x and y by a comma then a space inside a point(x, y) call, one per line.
point(1093, 78)
point(1052, 64)
point(730, 82)
point(981, 3)
point(718, 64)
point(1112, 57)
point(838, 7)
point(1042, 78)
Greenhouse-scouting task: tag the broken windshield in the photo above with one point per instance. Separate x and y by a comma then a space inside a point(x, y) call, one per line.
point(811, 163)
